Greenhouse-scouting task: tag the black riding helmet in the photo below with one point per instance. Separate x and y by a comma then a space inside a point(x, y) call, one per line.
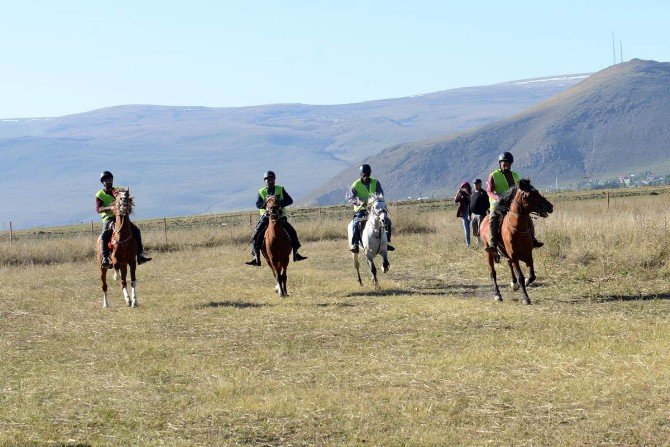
point(506, 156)
point(366, 169)
point(269, 174)
point(104, 175)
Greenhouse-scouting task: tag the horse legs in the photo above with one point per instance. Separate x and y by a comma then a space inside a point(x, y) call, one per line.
point(357, 267)
point(103, 278)
point(492, 270)
point(133, 286)
point(124, 284)
point(373, 269)
point(531, 267)
point(282, 280)
point(515, 284)
point(386, 265)
point(522, 281)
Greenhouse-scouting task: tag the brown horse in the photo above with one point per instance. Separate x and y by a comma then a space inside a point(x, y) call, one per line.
point(277, 246)
point(124, 250)
point(516, 236)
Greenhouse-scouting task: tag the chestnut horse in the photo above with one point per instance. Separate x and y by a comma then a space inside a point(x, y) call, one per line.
point(124, 251)
point(516, 237)
point(277, 246)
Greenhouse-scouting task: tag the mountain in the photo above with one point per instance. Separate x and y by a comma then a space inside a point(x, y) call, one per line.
point(612, 123)
point(193, 160)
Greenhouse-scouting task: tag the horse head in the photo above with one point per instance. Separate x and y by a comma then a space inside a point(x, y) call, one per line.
point(123, 203)
point(272, 207)
point(530, 200)
point(377, 208)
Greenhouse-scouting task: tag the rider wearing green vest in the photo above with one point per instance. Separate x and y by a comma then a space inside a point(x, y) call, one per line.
point(104, 201)
point(358, 196)
point(500, 181)
point(270, 189)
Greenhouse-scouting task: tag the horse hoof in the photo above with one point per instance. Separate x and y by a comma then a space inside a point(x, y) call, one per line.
point(515, 286)
point(498, 297)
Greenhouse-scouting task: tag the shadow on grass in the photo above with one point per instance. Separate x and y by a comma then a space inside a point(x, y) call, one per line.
point(336, 305)
point(446, 289)
point(606, 298)
point(234, 304)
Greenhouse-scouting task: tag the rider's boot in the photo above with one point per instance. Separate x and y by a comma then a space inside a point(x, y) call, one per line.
point(297, 256)
point(106, 262)
point(256, 261)
point(536, 243)
point(141, 259)
point(493, 233)
point(390, 247)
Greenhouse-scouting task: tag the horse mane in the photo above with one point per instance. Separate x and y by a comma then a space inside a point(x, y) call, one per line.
point(524, 185)
point(375, 196)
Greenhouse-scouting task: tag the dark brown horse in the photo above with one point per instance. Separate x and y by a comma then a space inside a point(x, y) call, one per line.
point(277, 246)
point(124, 250)
point(516, 236)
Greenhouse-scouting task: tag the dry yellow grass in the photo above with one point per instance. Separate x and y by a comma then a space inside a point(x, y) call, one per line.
point(211, 357)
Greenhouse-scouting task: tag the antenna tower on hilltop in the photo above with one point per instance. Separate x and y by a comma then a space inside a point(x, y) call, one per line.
point(613, 50)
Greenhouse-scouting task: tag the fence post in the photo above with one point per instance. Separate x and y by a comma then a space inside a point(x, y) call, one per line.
point(251, 216)
point(11, 233)
point(320, 216)
point(92, 232)
point(165, 230)
point(608, 200)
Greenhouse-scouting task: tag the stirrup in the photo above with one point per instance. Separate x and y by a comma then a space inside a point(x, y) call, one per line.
point(106, 263)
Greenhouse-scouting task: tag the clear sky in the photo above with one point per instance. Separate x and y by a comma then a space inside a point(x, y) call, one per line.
point(62, 57)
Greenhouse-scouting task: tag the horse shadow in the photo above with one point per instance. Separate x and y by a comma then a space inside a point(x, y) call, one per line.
point(233, 304)
point(433, 290)
point(340, 305)
point(608, 298)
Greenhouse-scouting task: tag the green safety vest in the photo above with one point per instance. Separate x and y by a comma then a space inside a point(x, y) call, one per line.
point(500, 184)
point(363, 192)
point(279, 192)
point(107, 200)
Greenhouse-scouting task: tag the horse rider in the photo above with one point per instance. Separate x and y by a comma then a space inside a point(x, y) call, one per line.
point(270, 189)
point(498, 183)
point(104, 204)
point(358, 196)
point(479, 206)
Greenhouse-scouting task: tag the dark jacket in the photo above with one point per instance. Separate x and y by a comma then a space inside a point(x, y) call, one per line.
point(479, 203)
point(463, 200)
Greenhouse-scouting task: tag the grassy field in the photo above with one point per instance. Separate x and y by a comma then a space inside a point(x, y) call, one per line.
point(213, 358)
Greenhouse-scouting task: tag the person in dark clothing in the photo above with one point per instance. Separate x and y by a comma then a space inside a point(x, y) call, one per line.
point(462, 198)
point(270, 189)
point(479, 206)
point(104, 203)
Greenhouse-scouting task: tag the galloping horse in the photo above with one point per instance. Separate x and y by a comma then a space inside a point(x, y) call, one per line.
point(277, 246)
point(516, 235)
point(124, 249)
point(373, 237)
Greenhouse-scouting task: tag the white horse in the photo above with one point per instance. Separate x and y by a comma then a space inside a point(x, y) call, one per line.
point(373, 237)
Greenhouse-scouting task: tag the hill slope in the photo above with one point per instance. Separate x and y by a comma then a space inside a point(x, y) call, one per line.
point(613, 122)
point(189, 160)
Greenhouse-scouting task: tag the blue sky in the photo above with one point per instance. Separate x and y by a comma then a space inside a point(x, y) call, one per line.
point(62, 57)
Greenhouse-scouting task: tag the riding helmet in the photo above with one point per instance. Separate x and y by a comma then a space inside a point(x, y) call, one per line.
point(269, 174)
point(506, 156)
point(366, 169)
point(478, 181)
point(104, 175)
